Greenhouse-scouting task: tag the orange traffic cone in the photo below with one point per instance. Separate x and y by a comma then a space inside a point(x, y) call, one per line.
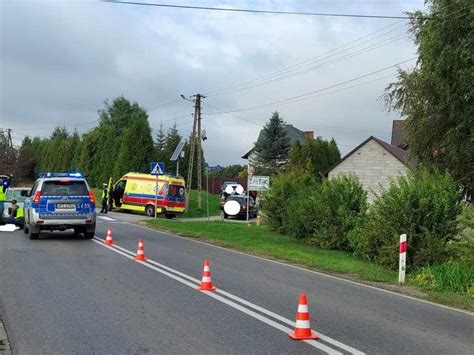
point(108, 240)
point(206, 283)
point(140, 251)
point(302, 326)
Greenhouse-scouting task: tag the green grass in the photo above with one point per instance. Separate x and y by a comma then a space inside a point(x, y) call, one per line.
point(259, 240)
point(192, 210)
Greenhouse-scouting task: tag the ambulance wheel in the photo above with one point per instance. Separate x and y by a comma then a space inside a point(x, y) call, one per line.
point(150, 210)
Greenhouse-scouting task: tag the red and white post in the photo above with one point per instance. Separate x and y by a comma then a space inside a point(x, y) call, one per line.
point(403, 259)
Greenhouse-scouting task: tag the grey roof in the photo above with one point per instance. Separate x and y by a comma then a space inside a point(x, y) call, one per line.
point(294, 133)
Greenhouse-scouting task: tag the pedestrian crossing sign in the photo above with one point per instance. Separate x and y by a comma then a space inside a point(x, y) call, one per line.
point(157, 168)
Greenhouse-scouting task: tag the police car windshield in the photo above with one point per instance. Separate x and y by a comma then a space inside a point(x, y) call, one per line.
point(65, 188)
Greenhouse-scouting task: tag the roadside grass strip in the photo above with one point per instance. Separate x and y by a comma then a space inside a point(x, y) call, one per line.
point(325, 343)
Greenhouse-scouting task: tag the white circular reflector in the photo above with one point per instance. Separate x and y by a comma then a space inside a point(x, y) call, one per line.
point(240, 189)
point(234, 188)
point(232, 207)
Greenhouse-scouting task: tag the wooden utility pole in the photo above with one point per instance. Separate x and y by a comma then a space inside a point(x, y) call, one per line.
point(191, 157)
point(199, 150)
point(196, 146)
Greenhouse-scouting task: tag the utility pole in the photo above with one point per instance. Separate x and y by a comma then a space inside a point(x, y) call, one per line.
point(199, 151)
point(196, 145)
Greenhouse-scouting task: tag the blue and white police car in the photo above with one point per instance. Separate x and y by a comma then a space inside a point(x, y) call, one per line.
point(60, 201)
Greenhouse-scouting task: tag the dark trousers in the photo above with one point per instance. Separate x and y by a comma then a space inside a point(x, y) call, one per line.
point(104, 205)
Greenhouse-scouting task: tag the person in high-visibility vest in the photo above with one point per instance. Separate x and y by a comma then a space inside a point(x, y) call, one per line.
point(105, 198)
point(17, 216)
point(5, 182)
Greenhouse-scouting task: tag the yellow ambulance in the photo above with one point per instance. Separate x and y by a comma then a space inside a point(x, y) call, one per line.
point(136, 192)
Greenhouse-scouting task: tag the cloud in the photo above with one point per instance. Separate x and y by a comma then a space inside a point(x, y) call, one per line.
point(60, 60)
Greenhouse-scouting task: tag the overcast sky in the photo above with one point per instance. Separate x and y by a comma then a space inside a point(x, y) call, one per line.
point(61, 59)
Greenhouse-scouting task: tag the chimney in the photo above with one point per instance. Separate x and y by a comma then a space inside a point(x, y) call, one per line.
point(309, 134)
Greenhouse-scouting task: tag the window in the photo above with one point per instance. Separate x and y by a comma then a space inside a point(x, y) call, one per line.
point(65, 188)
point(176, 191)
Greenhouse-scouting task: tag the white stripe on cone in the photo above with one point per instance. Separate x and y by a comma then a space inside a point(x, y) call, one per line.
point(304, 324)
point(206, 268)
point(206, 279)
point(303, 308)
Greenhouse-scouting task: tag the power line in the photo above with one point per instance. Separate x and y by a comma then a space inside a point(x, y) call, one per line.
point(255, 11)
point(294, 98)
point(322, 65)
point(286, 72)
point(260, 125)
point(311, 60)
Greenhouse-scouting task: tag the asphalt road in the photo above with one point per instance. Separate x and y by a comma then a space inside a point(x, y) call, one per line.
point(62, 294)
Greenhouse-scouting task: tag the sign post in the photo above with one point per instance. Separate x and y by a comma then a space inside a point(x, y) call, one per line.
point(403, 259)
point(256, 183)
point(157, 169)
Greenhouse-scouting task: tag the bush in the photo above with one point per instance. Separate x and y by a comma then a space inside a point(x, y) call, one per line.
point(424, 205)
point(275, 202)
point(342, 206)
point(463, 244)
point(447, 277)
point(324, 212)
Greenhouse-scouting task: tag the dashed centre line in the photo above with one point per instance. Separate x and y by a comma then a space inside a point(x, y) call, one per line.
point(265, 316)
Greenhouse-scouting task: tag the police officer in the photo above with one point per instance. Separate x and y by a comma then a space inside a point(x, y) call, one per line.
point(5, 182)
point(105, 198)
point(16, 215)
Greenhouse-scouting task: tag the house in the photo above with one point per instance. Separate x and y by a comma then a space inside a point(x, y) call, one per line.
point(292, 132)
point(398, 134)
point(374, 162)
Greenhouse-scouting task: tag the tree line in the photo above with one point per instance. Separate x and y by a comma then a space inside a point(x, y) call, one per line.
point(122, 142)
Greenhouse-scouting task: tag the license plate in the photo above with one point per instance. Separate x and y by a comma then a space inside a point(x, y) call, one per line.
point(65, 206)
point(170, 208)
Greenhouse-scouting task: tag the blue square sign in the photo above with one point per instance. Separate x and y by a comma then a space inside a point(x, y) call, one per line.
point(157, 168)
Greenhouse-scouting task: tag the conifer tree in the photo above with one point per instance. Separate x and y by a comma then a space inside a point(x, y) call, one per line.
point(272, 147)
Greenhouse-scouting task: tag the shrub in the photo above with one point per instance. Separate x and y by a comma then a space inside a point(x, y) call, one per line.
point(447, 277)
point(275, 202)
point(342, 206)
point(463, 244)
point(324, 212)
point(424, 205)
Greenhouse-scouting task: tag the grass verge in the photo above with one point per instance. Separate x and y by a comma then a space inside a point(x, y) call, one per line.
point(259, 240)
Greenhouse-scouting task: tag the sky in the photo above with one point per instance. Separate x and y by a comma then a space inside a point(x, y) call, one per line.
point(61, 59)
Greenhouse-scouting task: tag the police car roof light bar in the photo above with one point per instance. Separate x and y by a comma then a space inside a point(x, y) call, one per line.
point(76, 174)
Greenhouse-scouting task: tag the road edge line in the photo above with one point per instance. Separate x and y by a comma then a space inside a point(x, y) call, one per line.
point(310, 271)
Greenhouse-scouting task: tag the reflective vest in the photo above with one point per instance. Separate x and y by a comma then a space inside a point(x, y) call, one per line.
point(3, 195)
point(19, 212)
point(104, 193)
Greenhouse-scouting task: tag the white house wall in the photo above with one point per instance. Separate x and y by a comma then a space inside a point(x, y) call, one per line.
point(373, 166)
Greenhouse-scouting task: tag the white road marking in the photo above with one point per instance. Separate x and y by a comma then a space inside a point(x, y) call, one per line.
point(181, 277)
point(107, 218)
point(310, 271)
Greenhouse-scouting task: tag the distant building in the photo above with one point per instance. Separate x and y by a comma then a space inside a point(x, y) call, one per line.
point(293, 133)
point(374, 162)
point(398, 134)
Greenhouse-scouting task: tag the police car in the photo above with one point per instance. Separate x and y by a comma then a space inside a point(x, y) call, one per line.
point(60, 201)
